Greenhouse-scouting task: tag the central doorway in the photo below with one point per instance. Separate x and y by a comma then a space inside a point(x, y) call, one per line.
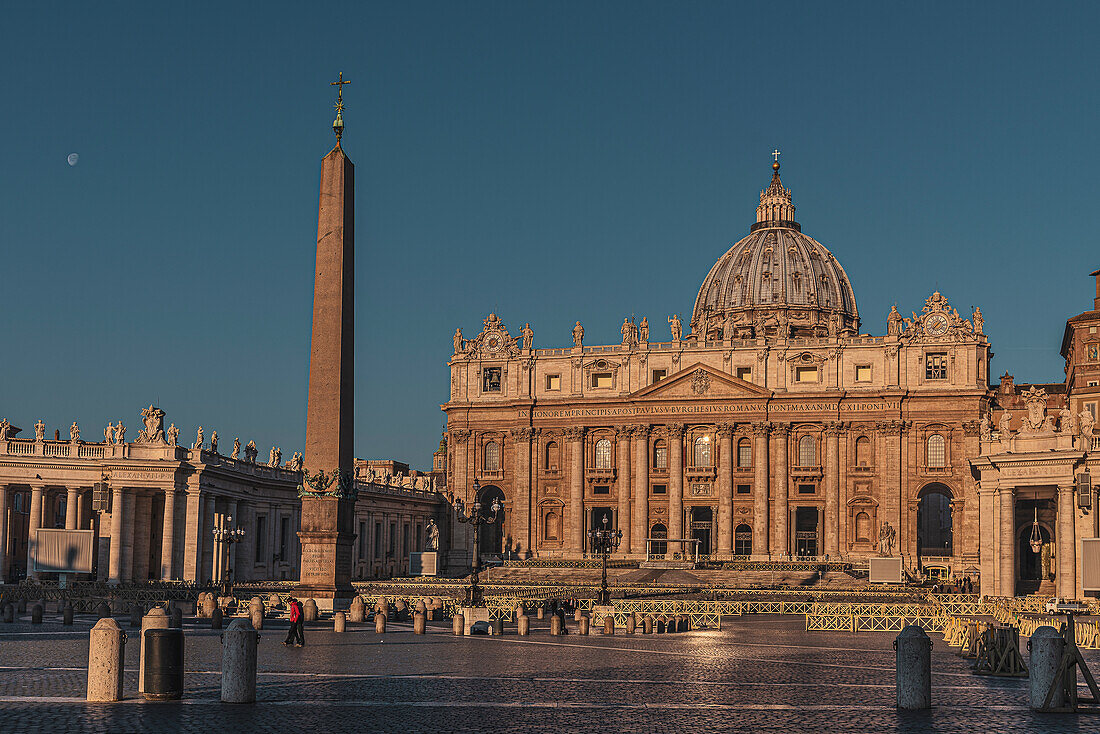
point(596, 523)
point(491, 537)
point(700, 519)
point(805, 531)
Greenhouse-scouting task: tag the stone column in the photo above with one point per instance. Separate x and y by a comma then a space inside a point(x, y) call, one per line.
point(114, 573)
point(128, 519)
point(640, 523)
point(987, 531)
point(72, 497)
point(3, 533)
point(1067, 545)
point(168, 536)
point(575, 438)
point(193, 538)
point(458, 550)
point(832, 489)
point(782, 545)
point(726, 460)
point(81, 515)
point(206, 532)
point(1007, 557)
point(676, 485)
point(521, 503)
point(622, 486)
point(761, 500)
point(35, 521)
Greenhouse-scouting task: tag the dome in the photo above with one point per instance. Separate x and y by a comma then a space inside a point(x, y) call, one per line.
point(775, 282)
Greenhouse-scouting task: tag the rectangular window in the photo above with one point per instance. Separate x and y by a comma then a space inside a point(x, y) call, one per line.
point(284, 538)
point(805, 374)
point(404, 540)
point(744, 373)
point(660, 489)
point(744, 489)
point(744, 454)
point(935, 366)
point(660, 457)
point(1092, 383)
point(377, 541)
point(490, 379)
point(392, 546)
point(362, 541)
point(658, 375)
point(601, 489)
point(601, 379)
point(1091, 407)
point(806, 488)
point(261, 537)
point(863, 373)
point(553, 382)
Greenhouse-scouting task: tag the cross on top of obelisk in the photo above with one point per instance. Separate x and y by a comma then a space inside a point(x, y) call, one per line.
point(338, 123)
point(775, 154)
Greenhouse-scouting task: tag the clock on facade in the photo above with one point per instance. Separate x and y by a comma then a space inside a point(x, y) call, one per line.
point(936, 324)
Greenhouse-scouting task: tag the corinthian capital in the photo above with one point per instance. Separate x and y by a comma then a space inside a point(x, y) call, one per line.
point(574, 433)
point(525, 433)
point(724, 430)
point(460, 435)
point(675, 430)
point(763, 428)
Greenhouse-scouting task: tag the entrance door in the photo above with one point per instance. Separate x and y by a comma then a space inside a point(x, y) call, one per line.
point(700, 519)
point(805, 531)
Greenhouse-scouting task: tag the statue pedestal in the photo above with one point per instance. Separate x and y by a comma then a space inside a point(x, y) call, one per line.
point(473, 614)
point(424, 564)
point(326, 553)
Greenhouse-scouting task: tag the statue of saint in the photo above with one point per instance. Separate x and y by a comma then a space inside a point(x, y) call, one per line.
point(74, 432)
point(1004, 425)
point(886, 536)
point(578, 334)
point(643, 330)
point(528, 336)
point(236, 448)
point(432, 543)
point(173, 434)
point(458, 341)
point(276, 457)
point(985, 428)
point(251, 452)
point(1087, 423)
point(120, 433)
point(979, 321)
point(1067, 422)
point(625, 330)
point(5, 427)
point(198, 439)
point(677, 327)
point(109, 434)
point(214, 442)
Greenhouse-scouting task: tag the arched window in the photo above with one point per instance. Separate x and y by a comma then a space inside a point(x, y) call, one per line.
point(744, 453)
point(937, 451)
point(701, 456)
point(492, 456)
point(603, 454)
point(658, 547)
point(552, 456)
point(551, 526)
point(807, 453)
point(742, 540)
point(660, 454)
point(863, 527)
point(863, 451)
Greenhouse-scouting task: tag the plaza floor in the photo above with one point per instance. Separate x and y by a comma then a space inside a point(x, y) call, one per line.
point(760, 674)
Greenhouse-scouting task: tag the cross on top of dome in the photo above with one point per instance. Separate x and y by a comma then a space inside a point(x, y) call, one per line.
point(775, 209)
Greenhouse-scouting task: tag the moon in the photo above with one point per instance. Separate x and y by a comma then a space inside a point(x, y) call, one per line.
point(73, 158)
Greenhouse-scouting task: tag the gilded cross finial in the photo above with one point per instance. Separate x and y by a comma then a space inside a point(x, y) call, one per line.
point(775, 154)
point(338, 123)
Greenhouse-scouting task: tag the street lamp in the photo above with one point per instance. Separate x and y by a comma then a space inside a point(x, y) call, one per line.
point(605, 541)
point(476, 519)
point(227, 535)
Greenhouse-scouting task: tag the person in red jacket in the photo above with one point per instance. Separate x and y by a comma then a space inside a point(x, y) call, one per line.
point(297, 626)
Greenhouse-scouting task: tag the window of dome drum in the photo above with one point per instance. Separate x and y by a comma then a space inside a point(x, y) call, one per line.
point(659, 375)
point(805, 374)
point(601, 379)
point(935, 366)
point(744, 489)
point(553, 382)
point(744, 453)
point(744, 373)
point(490, 379)
point(937, 451)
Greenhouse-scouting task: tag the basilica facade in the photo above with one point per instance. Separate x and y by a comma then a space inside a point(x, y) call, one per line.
point(776, 429)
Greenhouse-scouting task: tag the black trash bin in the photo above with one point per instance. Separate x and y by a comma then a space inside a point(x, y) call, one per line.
point(163, 664)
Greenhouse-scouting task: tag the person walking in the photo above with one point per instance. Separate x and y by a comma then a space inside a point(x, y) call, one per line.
point(296, 634)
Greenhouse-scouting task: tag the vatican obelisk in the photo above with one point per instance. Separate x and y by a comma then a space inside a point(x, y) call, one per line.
point(328, 490)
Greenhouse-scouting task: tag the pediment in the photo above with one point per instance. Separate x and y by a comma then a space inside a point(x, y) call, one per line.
point(700, 381)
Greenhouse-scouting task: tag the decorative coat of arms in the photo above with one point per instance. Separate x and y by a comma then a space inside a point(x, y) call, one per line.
point(700, 382)
point(153, 432)
point(1036, 419)
point(337, 484)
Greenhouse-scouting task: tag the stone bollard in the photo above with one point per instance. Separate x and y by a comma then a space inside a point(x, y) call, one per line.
point(647, 625)
point(1045, 653)
point(631, 624)
point(496, 626)
point(459, 624)
point(21, 606)
point(156, 619)
point(583, 625)
point(175, 619)
point(309, 610)
point(913, 668)
point(36, 614)
point(273, 601)
point(577, 615)
point(67, 614)
point(339, 622)
point(216, 619)
point(380, 623)
point(106, 654)
point(421, 607)
point(136, 615)
point(358, 610)
point(256, 613)
point(420, 623)
point(556, 625)
point(103, 610)
point(609, 625)
point(239, 662)
point(208, 604)
point(9, 613)
point(540, 612)
point(523, 625)
point(399, 609)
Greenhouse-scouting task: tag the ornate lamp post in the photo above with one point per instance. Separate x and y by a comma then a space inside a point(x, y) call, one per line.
point(605, 541)
point(476, 520)
point(227, 535)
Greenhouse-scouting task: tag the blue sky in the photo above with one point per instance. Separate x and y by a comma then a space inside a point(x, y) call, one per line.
point(546, 161)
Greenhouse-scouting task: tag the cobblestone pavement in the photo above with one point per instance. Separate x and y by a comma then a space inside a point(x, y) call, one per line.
point(760, 674)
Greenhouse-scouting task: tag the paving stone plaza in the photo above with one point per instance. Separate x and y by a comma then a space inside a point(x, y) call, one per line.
point(759, 673)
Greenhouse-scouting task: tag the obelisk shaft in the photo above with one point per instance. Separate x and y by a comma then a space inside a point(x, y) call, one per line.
point(329, 417)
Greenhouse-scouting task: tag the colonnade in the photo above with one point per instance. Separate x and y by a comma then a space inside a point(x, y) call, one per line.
point(1003, 526)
